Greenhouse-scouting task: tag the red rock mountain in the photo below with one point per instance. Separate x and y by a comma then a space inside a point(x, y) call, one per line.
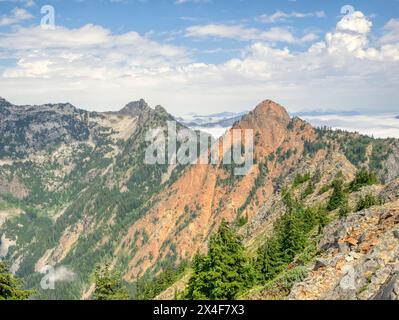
point(186, 214)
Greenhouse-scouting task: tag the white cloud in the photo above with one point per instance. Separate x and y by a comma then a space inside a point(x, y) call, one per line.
point(355, 22)
point(283, 16)
point(238, 32)
point(392, 32)
point(351, 38)
point(17, 15)
point(25, 3)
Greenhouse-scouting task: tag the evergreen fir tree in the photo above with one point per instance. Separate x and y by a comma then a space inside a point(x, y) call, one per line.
point(108, 285)
point(339, 196)
point(224, 271)
point(291, 236)
point(269, 259)
point(10, 287)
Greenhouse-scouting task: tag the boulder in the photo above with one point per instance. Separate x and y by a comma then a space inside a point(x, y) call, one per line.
point(320, 263)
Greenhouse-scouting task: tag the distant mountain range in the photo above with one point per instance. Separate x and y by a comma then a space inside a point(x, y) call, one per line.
point(221, 120)
point(227, 119)
point(373, 125)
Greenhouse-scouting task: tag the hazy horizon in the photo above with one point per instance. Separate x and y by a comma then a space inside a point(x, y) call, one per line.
point(379, 125)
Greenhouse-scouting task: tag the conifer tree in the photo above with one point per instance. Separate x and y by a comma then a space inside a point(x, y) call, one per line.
point(224, 271)
point(109, 285)
point(269, 259)
point(10, 287)
point(291, 236)
point(339, 196)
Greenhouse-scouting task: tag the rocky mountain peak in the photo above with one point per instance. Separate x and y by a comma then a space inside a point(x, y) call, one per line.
point(135, 108)
point(268, 116)
point(271, 109)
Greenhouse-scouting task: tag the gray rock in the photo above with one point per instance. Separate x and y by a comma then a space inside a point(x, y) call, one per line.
point(385, 216)
point(361, 238)
point(396, 288)
point(343, 247)
point(396, 234)
point(320, 263)
point(370, 265)
point(386, 291)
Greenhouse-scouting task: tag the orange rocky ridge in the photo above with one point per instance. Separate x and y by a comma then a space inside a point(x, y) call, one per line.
point(199, 202)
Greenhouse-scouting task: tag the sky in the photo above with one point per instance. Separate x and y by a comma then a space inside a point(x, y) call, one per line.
point(202, 56)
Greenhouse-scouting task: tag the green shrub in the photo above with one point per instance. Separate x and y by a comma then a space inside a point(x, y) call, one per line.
point(241, 221)
point(344, 210)
point(300, 179)
point(311, 148)
point(149, 289)
point(324, 189)
point(293, 276)
point(363, 178)
point(308, 191)
point(367, 202)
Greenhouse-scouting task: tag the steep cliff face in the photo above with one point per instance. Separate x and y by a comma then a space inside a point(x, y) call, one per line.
point(79, 193)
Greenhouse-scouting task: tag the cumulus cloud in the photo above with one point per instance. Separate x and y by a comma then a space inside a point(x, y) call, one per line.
point(355, 22)
point(351, 36)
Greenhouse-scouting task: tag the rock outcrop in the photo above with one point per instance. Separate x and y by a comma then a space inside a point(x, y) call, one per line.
point(360, 258)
